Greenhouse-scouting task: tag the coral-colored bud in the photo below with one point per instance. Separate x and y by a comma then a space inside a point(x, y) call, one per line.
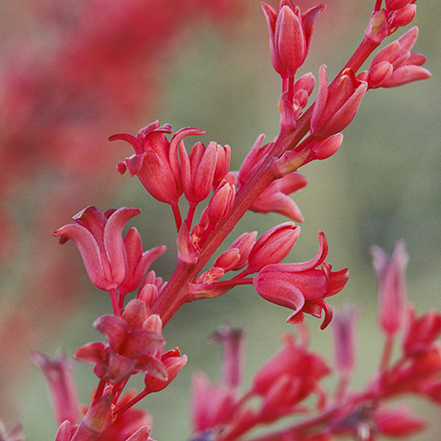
point(290, 39)
point(173, 362)
point(335, 109)
point(323, 148)
point(228, 259)
point(273, 246)
point(396, 4)
point(379, 74)
point(244, 243)
point(407, 74)
point(148, 294)
point(391, 287)
point(290, 35)
point(221, 203)
point(222, 164)
point(64, 432)
point(198, 171)
point(401, 17)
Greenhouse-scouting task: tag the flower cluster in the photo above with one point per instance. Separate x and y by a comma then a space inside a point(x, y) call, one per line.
point(268, 175)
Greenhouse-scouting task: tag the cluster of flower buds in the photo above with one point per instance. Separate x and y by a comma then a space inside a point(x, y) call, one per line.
point(301, 287)
point(395, 65)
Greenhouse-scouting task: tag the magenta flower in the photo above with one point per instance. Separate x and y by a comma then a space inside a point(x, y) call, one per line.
point(98, 237)
point(302, 286)
point(290, 35)
point(335, 107)
point(129, 349)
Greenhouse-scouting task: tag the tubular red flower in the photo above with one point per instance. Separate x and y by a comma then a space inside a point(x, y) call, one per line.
point(98, 238)
point(302, 286)
point(290, 35)
point(335, 108)
point(155, 161)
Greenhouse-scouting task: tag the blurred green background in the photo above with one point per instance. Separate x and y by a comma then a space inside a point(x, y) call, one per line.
point(384, 184)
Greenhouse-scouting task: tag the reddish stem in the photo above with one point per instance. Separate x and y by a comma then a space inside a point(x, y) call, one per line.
point(115, 302)
point(131, 403)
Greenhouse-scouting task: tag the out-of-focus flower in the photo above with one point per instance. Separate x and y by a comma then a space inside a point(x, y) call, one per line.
point(391, 287)
point(335, 107)
point(302, 286)
point(291, 375)
point(233, 342)
point(64, 397)
point(421, 332)
point(398, 421)
point(343, 329)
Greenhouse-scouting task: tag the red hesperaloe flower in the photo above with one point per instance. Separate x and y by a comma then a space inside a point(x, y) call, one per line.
point(98, 237)
point(129, 349)
point(290, 35)
point(302, 286)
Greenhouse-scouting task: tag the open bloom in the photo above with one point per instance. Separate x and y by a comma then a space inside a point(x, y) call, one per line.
point(302, 286)
point(155, 161)
point(98, 237)
point(130, 349)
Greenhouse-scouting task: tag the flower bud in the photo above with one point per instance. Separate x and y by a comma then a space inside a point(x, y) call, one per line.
point(273, 246)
